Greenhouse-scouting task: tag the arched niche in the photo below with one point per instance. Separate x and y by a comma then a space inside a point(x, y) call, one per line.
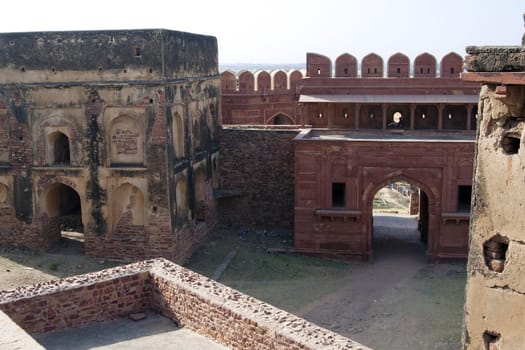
point(281, 119)
point(58, 151)
point(126, 139)
point(178, 135)
point(200, 194)
point(127, 206)
point(181, 198)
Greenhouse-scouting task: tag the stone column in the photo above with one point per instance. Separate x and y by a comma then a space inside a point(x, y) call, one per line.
point(441, 108)
point(469, 116)
point(357, 113)
point(412, 116)
point(385, 107)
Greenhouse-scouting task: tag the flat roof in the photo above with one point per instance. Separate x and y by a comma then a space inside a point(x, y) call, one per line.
point(384, 136)
point(422, 99)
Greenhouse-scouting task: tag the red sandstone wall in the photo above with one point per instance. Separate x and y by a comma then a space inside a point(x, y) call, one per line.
point(257, 173)
point(438, 168)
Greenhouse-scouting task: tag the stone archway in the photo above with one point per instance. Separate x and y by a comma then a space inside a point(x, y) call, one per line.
point(63, 209)
point(428, 224)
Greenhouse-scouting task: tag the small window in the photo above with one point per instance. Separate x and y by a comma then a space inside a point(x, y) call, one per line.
point(338, 195)
point(138, 52)
point(428, 70)
point(421, 70)
point(398, 70)
point(464, 194)
point(375, 70)
point(346, 71)
point(318, 71)
point(452, 70)
point(368, 70)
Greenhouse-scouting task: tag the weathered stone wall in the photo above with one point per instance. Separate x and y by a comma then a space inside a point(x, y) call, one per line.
point(495, 293)
point(256, 177)
point(103, 125)
point(193, 301)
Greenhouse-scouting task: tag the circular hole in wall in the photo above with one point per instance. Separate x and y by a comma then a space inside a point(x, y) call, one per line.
point(53, 69)
point(510, 144)
point(495, 252)
point(22, 69)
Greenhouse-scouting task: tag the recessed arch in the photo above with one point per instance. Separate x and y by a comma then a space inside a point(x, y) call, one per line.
point(178, 135)
point(398, 66)
point(126, 140)
point(451, 65)
point(228, 81)
point(280, 118)
point(127, 206)
point(372, 66)
point(246, 82)
point(279, 81)
point(58, 147)
point(318, 66)
point(181, 197)
point(200, 194)
point(346, 66)
point(425, 65)
point(262, 81)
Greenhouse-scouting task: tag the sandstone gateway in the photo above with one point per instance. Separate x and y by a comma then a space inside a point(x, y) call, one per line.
point(110, 133)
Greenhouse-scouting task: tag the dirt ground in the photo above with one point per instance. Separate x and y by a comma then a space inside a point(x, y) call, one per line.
point(396, 301)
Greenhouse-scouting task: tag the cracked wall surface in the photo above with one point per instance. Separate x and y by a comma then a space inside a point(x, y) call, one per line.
point(495, 292)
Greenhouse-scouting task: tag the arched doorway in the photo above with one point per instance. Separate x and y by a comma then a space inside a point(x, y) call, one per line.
point(281, 119)
point(399, 221)
point(64, 210)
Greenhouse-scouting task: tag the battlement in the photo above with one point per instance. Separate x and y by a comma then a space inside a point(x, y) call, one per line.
point(372, 66)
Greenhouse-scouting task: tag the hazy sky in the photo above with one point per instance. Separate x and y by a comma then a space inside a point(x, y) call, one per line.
point(280, 31)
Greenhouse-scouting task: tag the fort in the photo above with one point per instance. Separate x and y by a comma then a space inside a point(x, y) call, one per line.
point(117, 134)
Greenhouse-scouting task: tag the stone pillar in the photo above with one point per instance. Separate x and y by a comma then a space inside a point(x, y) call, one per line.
point(469, 116)
point(357, 113)
point(385, 108)
point(441, 108)
point(412, 116)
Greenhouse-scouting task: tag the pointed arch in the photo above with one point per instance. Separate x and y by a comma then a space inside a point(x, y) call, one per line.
point(246, 82)
point(228, 82)
point(280, 118)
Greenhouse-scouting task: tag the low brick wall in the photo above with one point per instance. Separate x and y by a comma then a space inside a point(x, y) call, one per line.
point(257, 177)
point(79, 300)
point(204, 306)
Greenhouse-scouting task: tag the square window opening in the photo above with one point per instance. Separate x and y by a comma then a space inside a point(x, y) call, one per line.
point(338, 195)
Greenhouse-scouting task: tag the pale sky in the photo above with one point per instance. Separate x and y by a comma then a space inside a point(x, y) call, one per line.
point(280, 31)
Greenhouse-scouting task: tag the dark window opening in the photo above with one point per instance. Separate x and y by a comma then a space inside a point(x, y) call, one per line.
point(346, 71)
point(61, 154)
point(368, 70)
point(398, 70)
point(464, 195)
point(138, 52)
point(510, 144)
point(451, 70)
point(338, 195)
point(279, 120)
point(421, 70)
point(428, 70)
point(375, 70)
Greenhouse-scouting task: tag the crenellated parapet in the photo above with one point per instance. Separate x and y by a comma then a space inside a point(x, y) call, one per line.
point(260, 82)
point(372, 66)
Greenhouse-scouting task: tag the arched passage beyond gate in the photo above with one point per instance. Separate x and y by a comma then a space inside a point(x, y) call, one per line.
point(428, 220)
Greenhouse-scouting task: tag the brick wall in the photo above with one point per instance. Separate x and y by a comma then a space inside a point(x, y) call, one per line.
point(257, 177)
point(193, 301)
